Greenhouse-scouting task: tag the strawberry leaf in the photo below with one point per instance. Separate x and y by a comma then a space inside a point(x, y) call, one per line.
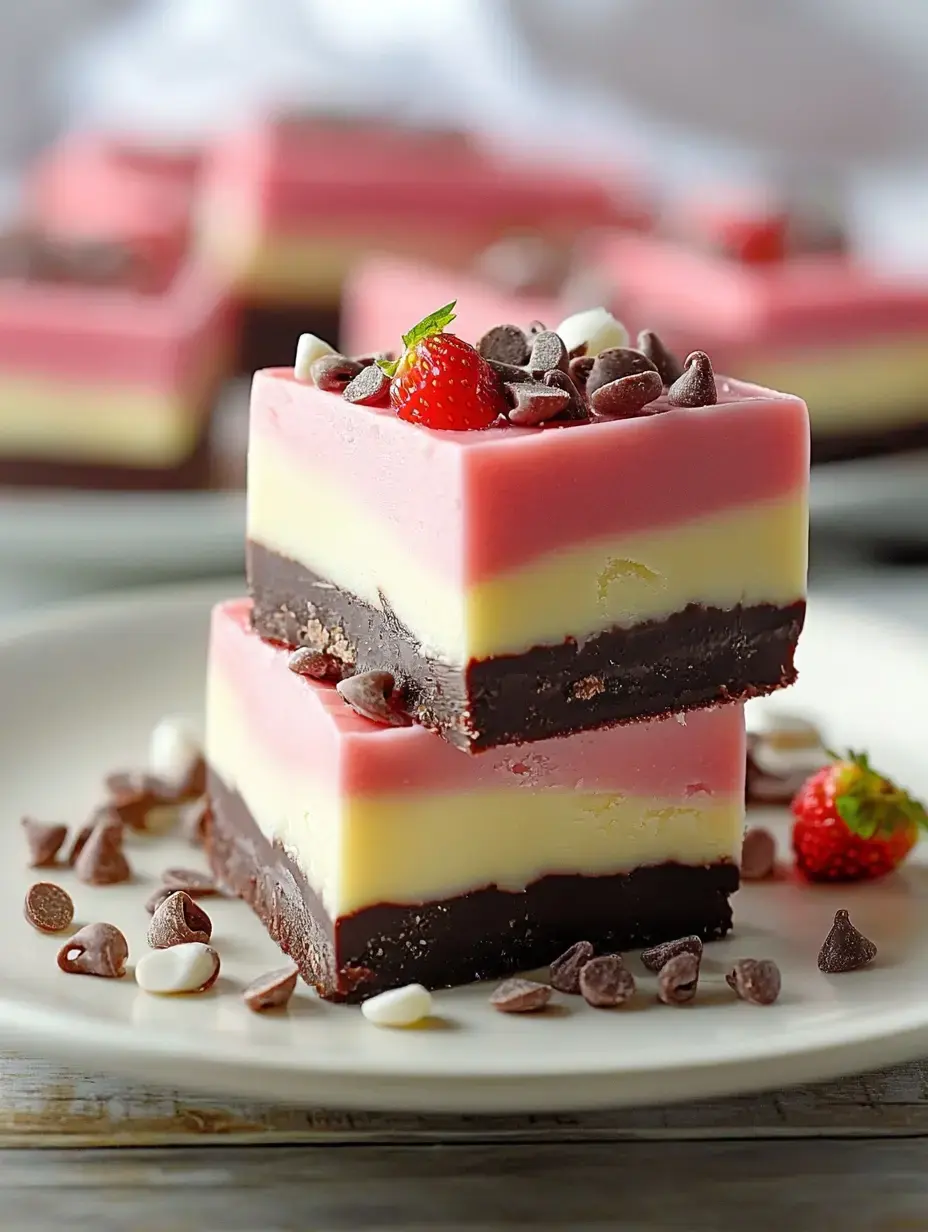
point(389, 366)
point(434, 323)
point(869, 804)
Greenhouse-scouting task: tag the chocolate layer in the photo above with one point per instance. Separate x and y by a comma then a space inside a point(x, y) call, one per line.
point(269, 333)
point(482, 935)
point(697, 657)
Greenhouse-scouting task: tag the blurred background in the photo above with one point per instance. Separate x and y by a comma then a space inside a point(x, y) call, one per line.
point(187, 185)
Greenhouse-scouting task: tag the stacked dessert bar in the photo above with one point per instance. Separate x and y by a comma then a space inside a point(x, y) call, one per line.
point(485, 697)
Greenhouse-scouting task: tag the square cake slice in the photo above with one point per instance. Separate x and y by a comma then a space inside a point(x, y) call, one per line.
point(378, 855)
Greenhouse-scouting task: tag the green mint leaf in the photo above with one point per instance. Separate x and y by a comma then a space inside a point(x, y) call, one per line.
point(389, 366)
point(434, 323)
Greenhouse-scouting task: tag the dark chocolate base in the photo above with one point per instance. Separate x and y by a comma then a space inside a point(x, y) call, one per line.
point(873, 443)
point(697, 657)
point(479, 936)
point(269, 333)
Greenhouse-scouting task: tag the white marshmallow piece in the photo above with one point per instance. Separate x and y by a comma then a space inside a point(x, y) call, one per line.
point(398, 1007)
point(308, 350)
point(173, 752)
point(191, 967)
point(595, 328)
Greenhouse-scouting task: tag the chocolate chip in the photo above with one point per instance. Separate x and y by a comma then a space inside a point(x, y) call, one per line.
point(565, 970)
point(506, 344)
point(157, 897)
point(666, 363)
point(696, 387)
point(509, 373)
point(548, 351)
point(191, 881)
point(520, 997)
point(133, 797)
point(535, 327)
point(758, 854)
point(334, 373)
point(659, 955)
point(194, 819)
point(79, 843)
point(178, 920)
point(370, 694)
point(606, 981)
point(371, 387)
point(630, 397)
point(677, 979)
point(315, 663)
point(845, 948)
point(44, 840)
point(577, 409)
point(48, 908)
point(101, 860)
point(755, 980)
point(535, 403)
point(272, 990)
point(95, 949)
point(579, 370)
point(614, 363)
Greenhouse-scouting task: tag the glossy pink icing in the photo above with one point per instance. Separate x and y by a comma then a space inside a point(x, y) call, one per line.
point(308, 728)
point(473, 504)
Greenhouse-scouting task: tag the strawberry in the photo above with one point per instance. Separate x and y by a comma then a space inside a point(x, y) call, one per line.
point(852, 824)
point(440, 381)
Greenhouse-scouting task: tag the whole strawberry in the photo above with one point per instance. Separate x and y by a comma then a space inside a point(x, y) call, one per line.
point(852, 824)
point(440, 381)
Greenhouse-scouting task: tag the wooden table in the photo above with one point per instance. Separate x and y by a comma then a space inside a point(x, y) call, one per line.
point(850, 1155)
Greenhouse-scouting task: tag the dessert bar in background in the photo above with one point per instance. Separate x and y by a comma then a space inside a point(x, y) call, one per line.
point(380, 855)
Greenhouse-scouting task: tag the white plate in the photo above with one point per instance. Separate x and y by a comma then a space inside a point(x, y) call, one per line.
point(82, 687)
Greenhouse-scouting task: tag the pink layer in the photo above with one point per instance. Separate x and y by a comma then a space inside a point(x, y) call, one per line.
point(306, 726)
point(473, 504)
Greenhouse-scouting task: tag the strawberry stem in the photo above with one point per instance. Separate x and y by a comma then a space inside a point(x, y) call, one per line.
point(434, 323)
point(870, 804)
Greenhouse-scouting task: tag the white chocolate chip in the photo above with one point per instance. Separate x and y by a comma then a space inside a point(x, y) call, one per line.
point(173, 752)
point(398, 1007)
point(308, 350)
point(191, 967)
point(595, 328)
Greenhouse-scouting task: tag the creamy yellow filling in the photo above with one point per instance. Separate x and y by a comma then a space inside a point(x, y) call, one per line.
point(753, 554)
point(416, 847)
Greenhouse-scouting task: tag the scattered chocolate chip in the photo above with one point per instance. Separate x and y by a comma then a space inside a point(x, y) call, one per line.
point(659, 955)
point(606, 981)
point(614, 363)
point(95, 949)
point(755, 980)
point(133, 797)
point(371, 695)
point(272, 990)
point(520, 997)
point(191, 881)
point(696, 387)
point(560, 380)
point(178, 920)
point(371, 387)
point(548, 351)
point(845, 948)
point(579, 352)
point(79, 843)
point(677, 979)
point(579, 370)
point(630, 397)
point(565, 970)
point(666, 363)
point(758, 854)
point(44, 839)
point(157, 897)
point(334, 373)
point(506, 344)
point(101, 860)
point(535, 403)
point(509, 373)
point(48, 908)
point(315, 663)
point(194, 820)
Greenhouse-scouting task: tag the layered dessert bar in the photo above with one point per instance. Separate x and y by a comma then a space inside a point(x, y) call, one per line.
point(378, 856)
point(523, 582)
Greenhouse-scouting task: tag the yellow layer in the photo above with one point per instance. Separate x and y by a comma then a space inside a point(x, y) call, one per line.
point(414, 847)
point(754, 554)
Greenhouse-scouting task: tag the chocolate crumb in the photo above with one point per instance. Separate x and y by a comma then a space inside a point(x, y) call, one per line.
point(630, 397)
point(44, 839)
point(178, 920)
point(506, 344)
point(606, 981)
point(520, 997)
point(101, 860)
point(659, 955)
point(315, 663)
point(565, 970)
point(548, 351)
point(370, 694)
point(666, 363)
point(758, 854)
point(191, 881)
point(535, 403)
point(755, 980)
point(845, 948)
point(587, 688)
point(678, 978)
point(48, 908)
point(696, 387)
point(334, 373)
point(95, 949)
point(371, 387)
point(614, 363)
point(272, 990)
